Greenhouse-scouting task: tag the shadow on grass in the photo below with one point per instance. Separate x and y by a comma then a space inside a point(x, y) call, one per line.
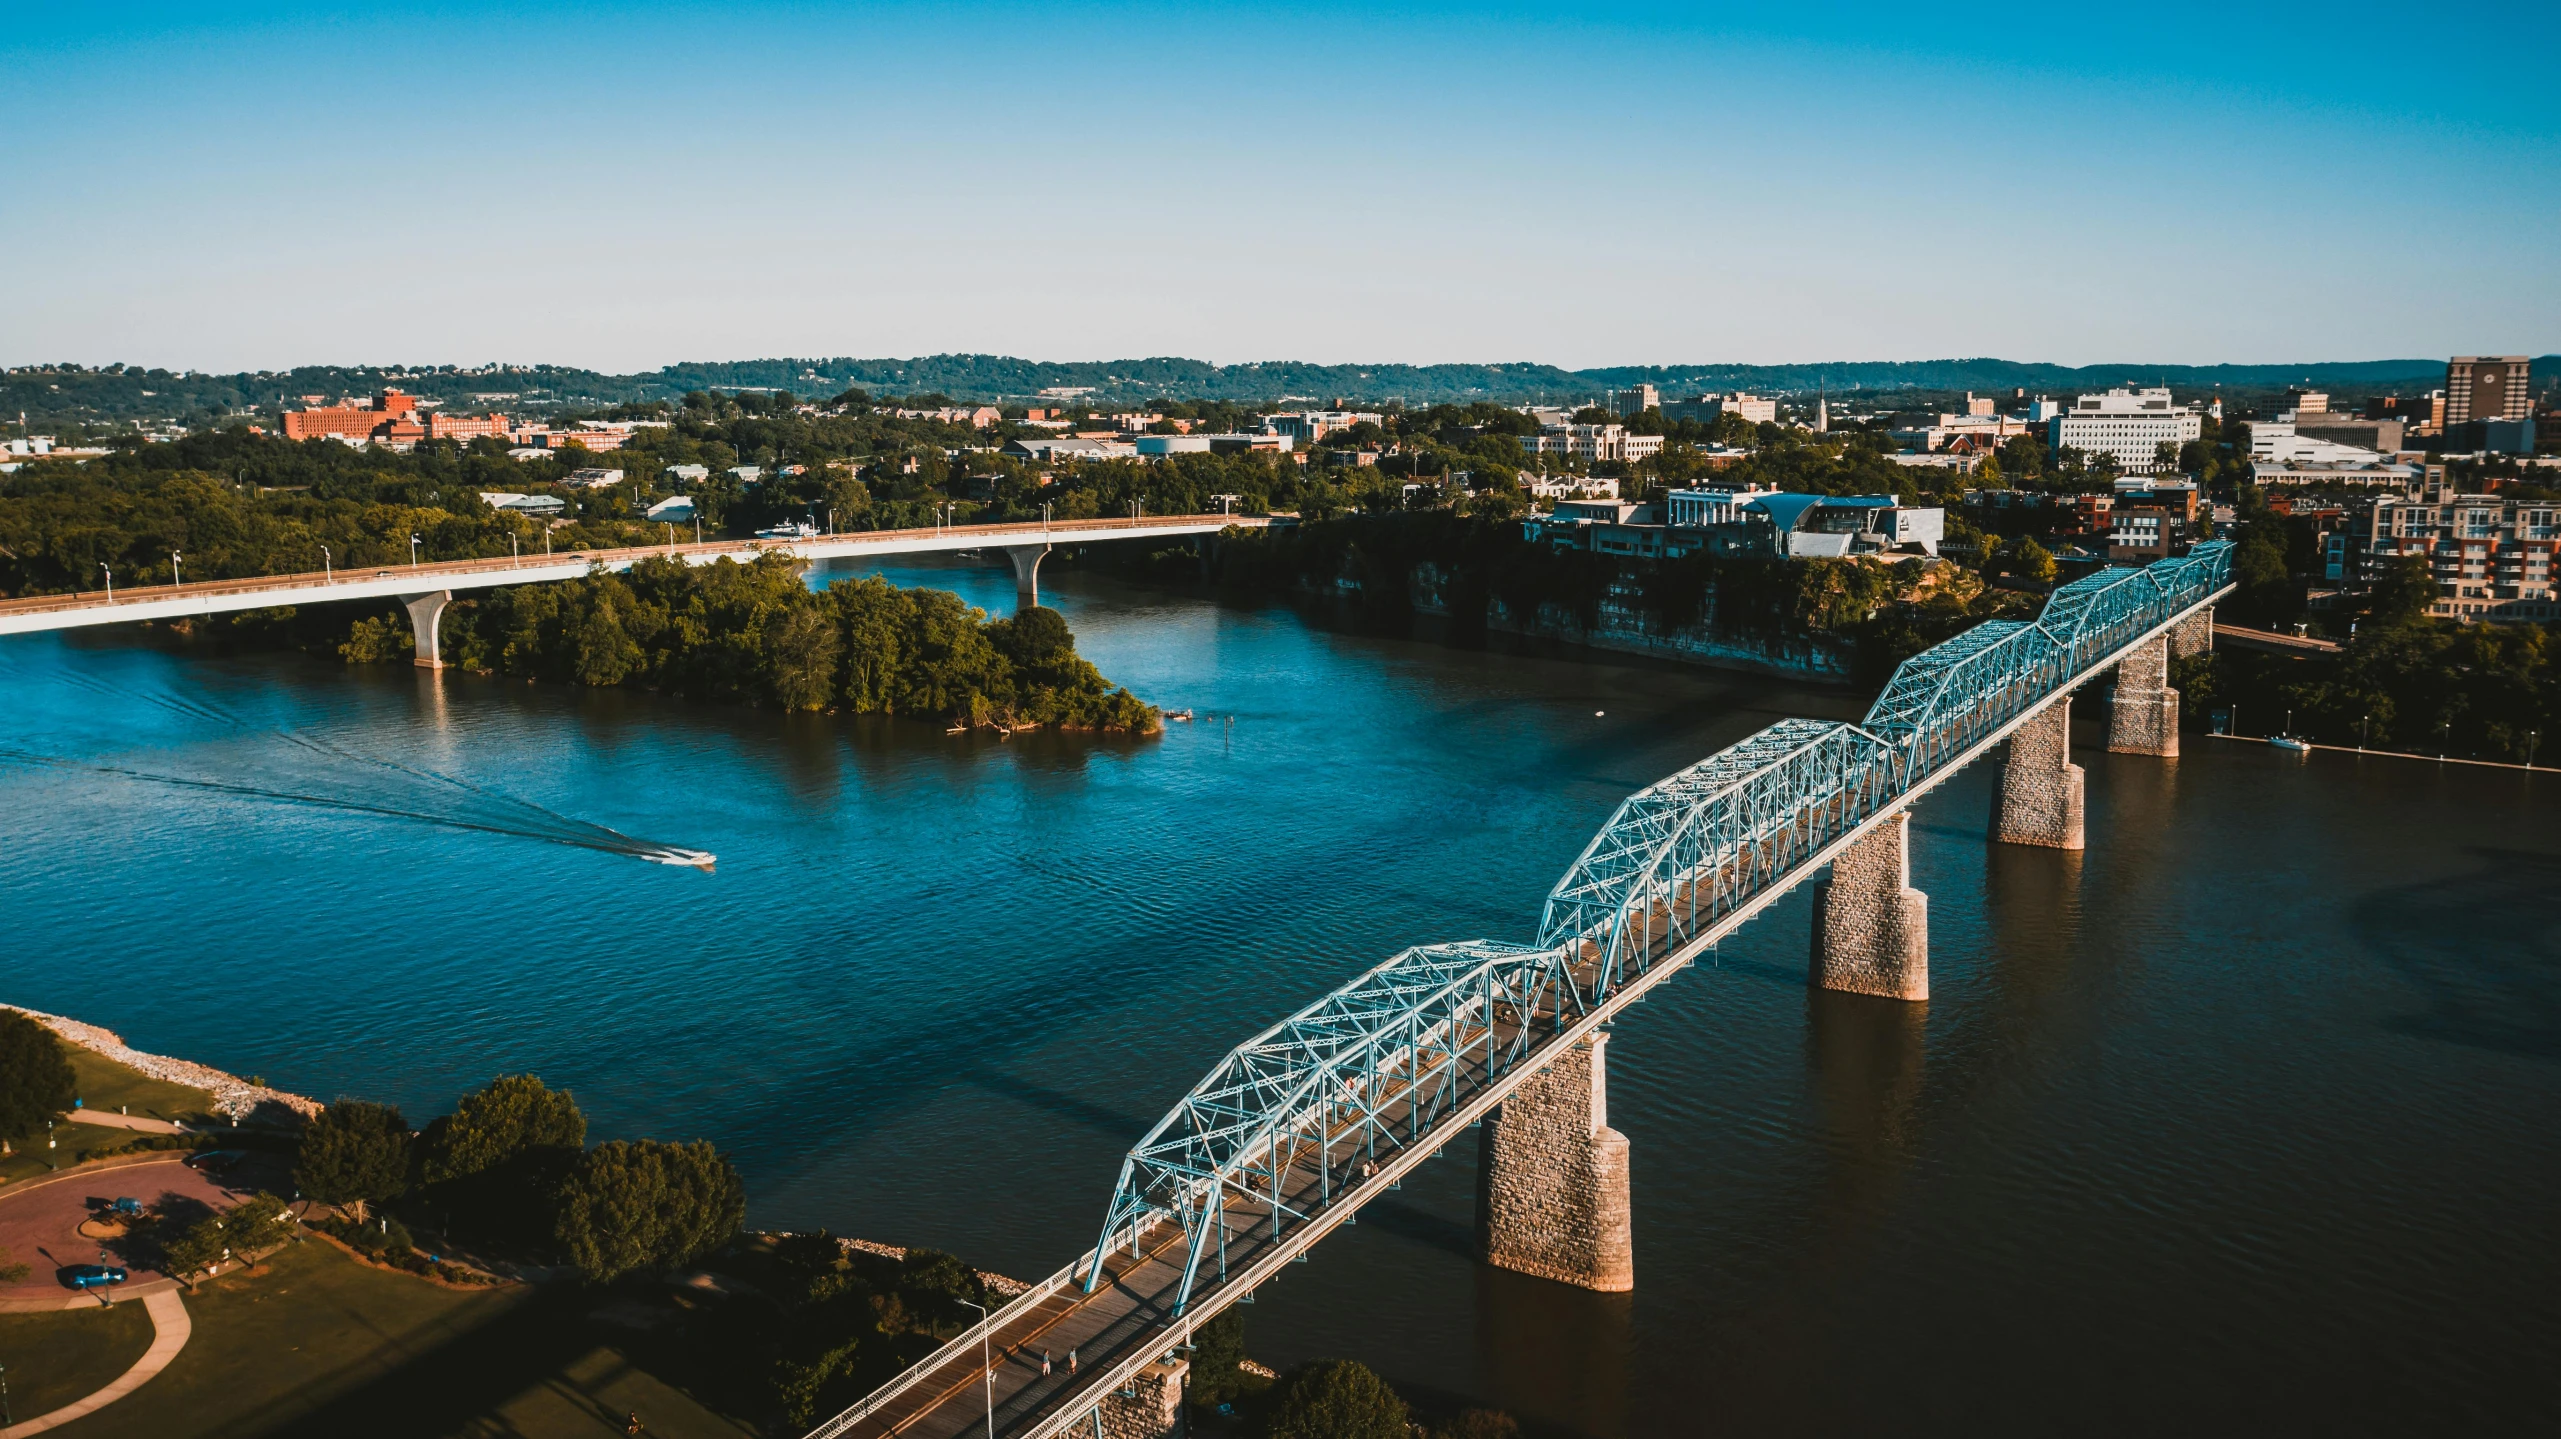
point(541, 1371)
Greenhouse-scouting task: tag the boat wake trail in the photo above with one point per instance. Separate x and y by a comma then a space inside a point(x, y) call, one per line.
point(520, 819)
point(434, 797)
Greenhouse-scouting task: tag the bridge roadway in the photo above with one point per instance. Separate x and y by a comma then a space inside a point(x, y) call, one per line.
point(209, 597)
point(1500, 1014)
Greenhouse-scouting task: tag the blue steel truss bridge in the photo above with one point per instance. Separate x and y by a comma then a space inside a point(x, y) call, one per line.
point(1304, 1122)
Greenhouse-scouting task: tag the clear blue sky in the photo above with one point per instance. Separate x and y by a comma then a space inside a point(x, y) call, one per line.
point(219, 185)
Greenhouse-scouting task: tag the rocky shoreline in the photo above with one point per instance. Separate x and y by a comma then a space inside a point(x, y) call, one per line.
point(233, 1096)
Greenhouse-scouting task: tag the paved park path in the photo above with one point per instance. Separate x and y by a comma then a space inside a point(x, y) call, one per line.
point(169, 1330)
point(123, 1121)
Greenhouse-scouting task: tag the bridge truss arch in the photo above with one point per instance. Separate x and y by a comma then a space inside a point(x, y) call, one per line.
point(1290, 1122)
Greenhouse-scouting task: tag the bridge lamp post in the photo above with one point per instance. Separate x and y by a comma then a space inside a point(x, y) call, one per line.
point(176, 577)
point(414, 542)
point(111, 581)
point(328, 566)
point(986, 1365)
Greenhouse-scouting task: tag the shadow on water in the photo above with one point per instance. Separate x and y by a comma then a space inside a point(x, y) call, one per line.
point(2481, 949)
point(1865, 1057)
point(1554, 1353)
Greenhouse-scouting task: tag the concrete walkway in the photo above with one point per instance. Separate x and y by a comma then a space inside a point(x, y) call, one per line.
point(169, 1330)
point(123, 1121)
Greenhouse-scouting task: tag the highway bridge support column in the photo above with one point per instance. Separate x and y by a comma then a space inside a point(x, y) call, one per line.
point(1871, 928)
point(2038, 798)
point(2144, 717)
point(1552, 1181)
point(1150, 1406)
point(1026, 560)
point(424, 613)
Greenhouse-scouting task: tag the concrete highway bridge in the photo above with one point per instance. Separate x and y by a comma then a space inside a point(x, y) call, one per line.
point(1303, 1123)
point(425, 589)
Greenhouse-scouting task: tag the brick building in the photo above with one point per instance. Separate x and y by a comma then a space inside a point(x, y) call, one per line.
point(392, 418)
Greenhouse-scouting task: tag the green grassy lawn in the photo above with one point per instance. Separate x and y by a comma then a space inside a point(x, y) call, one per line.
point(73, 1144)
point(318, 1344)
point(104, 1084)
point(55, 1358)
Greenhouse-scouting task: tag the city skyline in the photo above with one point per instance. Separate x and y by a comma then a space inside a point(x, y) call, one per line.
point(634, 186)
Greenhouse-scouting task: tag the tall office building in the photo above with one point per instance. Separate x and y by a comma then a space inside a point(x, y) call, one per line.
point(1635, 400)
point(2488, 387)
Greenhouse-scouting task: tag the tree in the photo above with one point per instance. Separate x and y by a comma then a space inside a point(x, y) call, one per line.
point(1337, 1399)
point(2403, 592)
point(646, 1205)
point(354, 1154)
point(512, 1117)
point(36, 1079)
point(1482, 1424)
point(255, 1224)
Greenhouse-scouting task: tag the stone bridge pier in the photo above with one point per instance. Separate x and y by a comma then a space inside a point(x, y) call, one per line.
point(1026, 560)
point(1149, 1406)
point(1552, 1180)
point(1871, 928)
point(2037, 797)
point(2143, 718)
point(425, 612)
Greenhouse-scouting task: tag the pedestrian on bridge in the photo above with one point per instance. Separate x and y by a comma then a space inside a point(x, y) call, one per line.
point(1044, 1363)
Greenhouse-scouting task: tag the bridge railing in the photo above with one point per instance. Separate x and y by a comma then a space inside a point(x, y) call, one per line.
point(1376, 1062)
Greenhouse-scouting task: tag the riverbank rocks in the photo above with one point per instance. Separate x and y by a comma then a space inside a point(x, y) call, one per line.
point(233, 1097)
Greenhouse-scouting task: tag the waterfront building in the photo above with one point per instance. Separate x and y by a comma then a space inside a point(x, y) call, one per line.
point(2492, 557)
point(2130, 425)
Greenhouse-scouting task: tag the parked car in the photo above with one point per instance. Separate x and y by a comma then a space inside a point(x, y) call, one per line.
point(92, 1276)
point(215, 1161)
point(126, 1207)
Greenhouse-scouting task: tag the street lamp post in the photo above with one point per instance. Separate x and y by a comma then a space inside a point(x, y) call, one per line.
point(111, 580)
point(414, 542)
point(176, 576)
point(328, 566)
point(987, 1366)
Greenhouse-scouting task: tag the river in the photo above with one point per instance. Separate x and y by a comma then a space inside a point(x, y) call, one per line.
point(2243, 1119)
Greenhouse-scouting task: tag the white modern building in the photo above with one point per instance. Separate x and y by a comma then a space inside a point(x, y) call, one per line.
point(1711, 507)
point(1592, 442)
point(2130, 425)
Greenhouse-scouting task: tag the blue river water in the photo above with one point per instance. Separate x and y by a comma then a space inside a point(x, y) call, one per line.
point(2245, 1118)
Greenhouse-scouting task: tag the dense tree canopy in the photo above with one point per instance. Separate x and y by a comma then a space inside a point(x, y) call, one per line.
point(1337, 1399)
point(513, 1116)
point(756, 634)
point(36, 1080)
point(631, 1205)
point(354, 1153)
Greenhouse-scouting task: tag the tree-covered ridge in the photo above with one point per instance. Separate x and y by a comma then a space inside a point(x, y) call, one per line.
point(56, 393)
point(755, 634)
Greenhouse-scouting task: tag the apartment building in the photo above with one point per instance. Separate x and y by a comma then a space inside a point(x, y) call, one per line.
point(2130, 425)
point(1635, 400)
point(2492, 557)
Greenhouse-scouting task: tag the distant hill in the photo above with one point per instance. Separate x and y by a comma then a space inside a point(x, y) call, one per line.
point(60, 394)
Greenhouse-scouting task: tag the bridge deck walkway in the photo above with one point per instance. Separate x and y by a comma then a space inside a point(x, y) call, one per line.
point(1128, 1321)
point(370, 581)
